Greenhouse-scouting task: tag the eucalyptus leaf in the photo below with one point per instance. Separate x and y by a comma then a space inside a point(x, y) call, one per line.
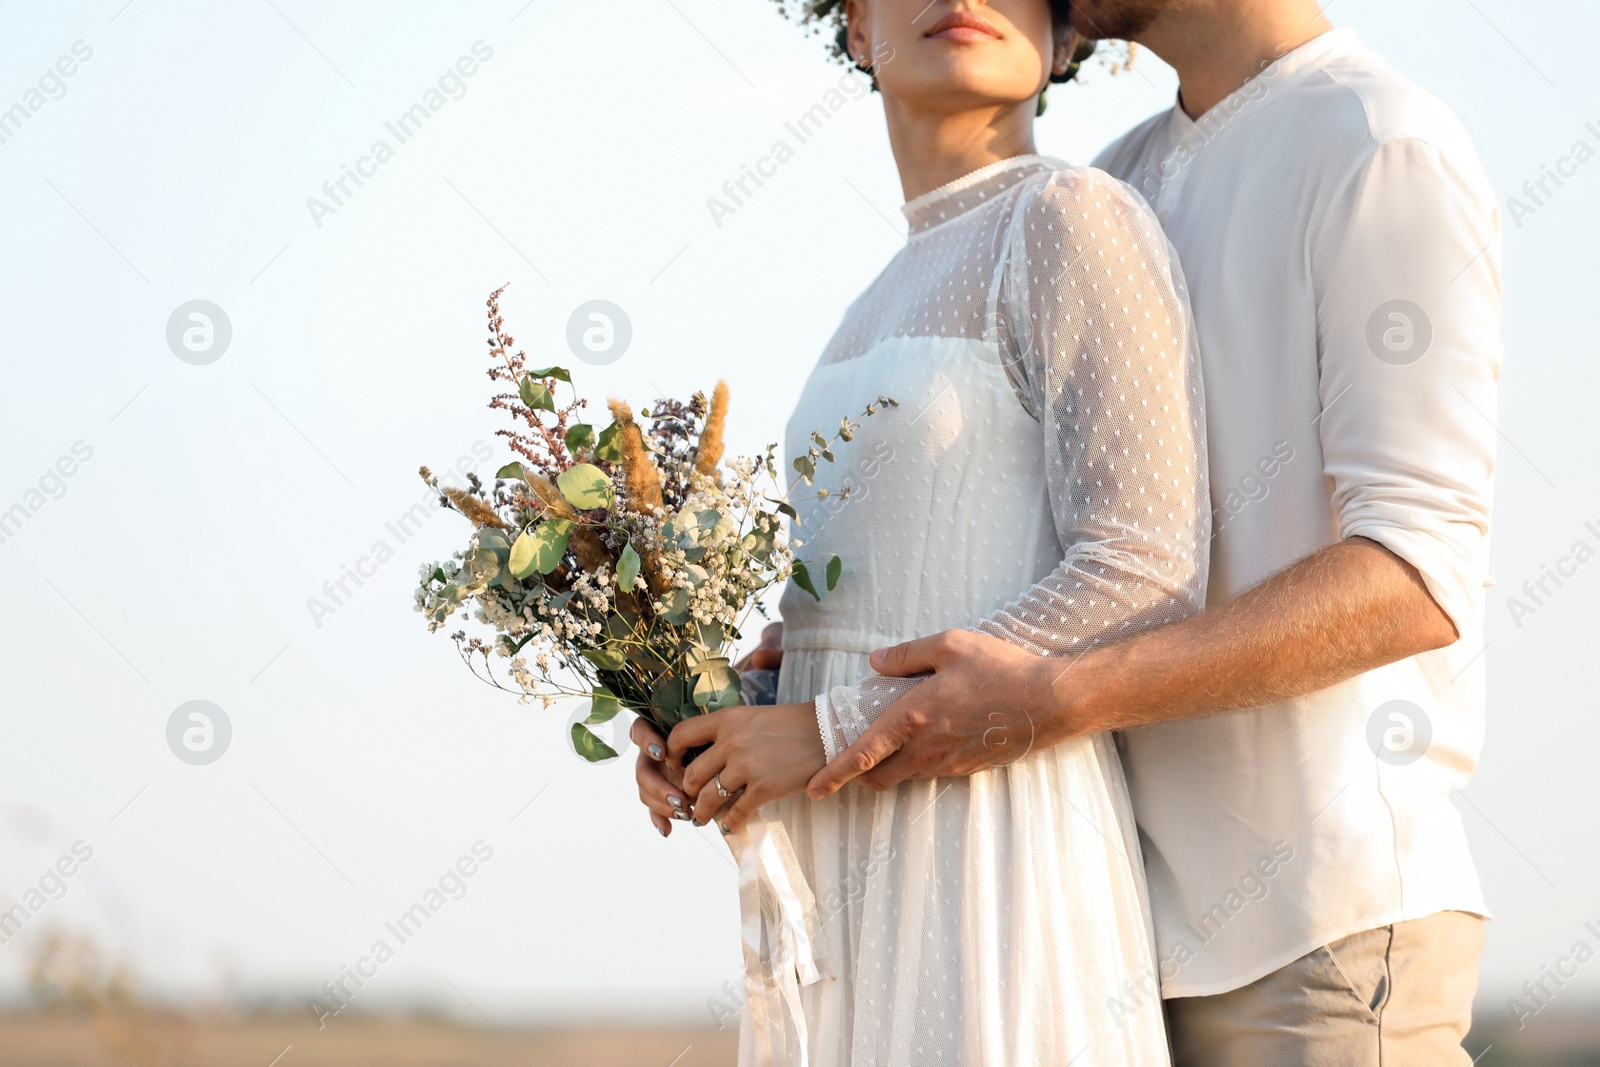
point(606, 447)
point(536, 395)
point(523, 552)
point(494, 541)
point(710, 662)
point(695, 655)
point(806, 468)
point(676, 603)
point(627, 568)
point(710, 635)
point(785, 508)
point(552, 372)
point(717, 688)
point(585, 486)
point(604, 707)
point(607, 659)
point(590, 747)
point(481, 567)
point(580, 436)
point(835, 569)
point(650, 658)
point(549, 544)
point(802, 578)
point(759, 543)
point(510, 470)
point(671, 701)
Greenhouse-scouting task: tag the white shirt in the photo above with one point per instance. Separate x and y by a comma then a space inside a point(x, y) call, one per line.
point(1342, 248)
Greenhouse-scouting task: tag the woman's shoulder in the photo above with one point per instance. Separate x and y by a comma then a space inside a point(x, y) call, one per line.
point(1087, 205)
point(1069, 194)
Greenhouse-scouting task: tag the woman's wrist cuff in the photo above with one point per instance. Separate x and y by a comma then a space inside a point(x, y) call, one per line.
point(830, 745)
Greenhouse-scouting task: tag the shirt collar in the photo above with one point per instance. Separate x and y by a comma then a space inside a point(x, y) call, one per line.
point(1287, 69)
point(972, 190)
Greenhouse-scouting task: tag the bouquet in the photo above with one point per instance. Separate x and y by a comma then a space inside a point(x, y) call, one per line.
point(618, 565)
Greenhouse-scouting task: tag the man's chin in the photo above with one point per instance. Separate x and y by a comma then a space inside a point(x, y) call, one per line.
point(1119, 20)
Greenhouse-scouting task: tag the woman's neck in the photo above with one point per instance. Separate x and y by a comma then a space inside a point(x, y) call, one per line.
point(935, 148)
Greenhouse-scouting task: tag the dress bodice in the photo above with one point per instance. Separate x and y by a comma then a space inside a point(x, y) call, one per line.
point(937, 509)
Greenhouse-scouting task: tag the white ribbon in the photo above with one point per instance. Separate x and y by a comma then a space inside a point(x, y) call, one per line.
point(779, 931)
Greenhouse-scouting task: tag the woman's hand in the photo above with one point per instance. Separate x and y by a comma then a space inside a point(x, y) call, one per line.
point(762, 753)
point(660, 782)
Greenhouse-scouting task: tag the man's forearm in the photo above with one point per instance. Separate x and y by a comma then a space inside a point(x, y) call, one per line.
point(1342, 611)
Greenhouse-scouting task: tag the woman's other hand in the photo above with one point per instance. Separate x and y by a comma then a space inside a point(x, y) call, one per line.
point(660, 782)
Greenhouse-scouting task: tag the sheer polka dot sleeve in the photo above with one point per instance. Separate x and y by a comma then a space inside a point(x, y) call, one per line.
point(1092, 319)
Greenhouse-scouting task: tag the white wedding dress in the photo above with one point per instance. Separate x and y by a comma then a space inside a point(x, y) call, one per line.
point(1042, 480)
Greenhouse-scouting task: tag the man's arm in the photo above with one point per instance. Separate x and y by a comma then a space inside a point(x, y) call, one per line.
point(1339, 612)
point(1408, 456)
point(1348, 609)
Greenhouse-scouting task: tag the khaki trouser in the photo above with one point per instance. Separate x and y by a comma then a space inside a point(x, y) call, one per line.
point(1400, 996)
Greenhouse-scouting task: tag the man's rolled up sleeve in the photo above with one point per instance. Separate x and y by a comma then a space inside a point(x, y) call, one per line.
point(1407, 271)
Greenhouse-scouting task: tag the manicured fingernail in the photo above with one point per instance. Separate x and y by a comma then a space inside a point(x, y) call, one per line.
point(662, 830)
point(681, 816)
point(725, 830)
point(675, 801)
point(655, 752)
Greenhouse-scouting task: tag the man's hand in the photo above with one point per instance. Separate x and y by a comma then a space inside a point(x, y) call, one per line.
point(981, 708)
point(1342, 611)
point(768, 655)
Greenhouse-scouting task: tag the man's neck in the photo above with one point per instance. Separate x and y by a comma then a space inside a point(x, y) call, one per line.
point(1217, 47)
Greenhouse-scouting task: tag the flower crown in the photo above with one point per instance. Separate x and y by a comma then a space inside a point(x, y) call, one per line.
point(820, 15)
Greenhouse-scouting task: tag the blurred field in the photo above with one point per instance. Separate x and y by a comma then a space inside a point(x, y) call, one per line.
point(292, 1040)
point(1569, 1039)
point(289, 1039)
point(88, 1011)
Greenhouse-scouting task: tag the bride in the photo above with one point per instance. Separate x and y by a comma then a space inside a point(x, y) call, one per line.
point(1042, 480)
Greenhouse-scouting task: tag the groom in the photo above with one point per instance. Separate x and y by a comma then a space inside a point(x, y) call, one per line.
point(1293, 752)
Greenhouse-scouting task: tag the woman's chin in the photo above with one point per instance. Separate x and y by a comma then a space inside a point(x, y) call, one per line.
point(968, 77)
point(956, 95)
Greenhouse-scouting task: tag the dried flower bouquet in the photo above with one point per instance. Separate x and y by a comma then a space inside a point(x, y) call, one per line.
point(617, 565)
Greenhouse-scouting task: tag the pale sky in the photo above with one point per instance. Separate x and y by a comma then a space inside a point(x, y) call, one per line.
point(206, 504)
